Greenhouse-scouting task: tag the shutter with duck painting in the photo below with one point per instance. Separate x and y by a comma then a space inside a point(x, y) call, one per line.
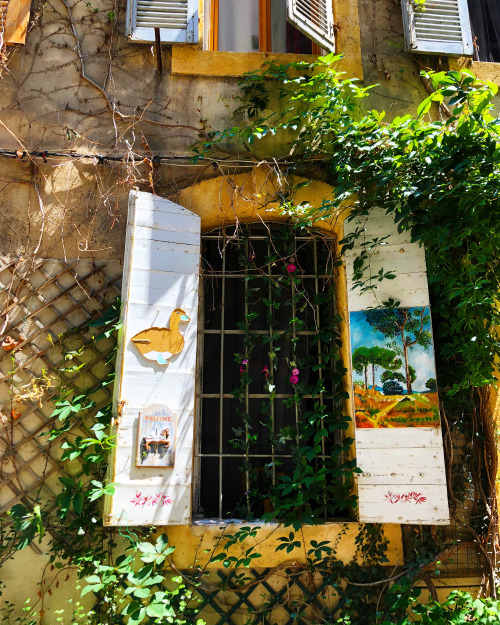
point(176, 19)
point(315, 19)
point(399, 444)
point(437, 27)
point(151, 465)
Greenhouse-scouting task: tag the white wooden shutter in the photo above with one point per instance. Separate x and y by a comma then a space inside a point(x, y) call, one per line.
point(437, 27)
point(177, 20)
point(404, 477)
point(161, 268)
point(315, 19)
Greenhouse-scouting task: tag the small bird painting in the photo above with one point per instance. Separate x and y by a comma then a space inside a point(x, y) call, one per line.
point(160, 344)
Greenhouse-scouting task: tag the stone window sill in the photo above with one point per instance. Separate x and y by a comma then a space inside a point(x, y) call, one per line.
point(198, 540)
point(483, 71)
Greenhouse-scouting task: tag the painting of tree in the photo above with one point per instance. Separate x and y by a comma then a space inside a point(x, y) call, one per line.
point(406, 326)
point(392, 349)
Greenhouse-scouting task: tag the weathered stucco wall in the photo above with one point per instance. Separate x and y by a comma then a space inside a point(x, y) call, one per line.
point(124, 108)
point(46, 104)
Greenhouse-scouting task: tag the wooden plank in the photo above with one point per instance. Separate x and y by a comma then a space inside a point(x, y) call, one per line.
point(407, 258)
point(399, 504)
point(160, 274)
point(16, 21)
point(172, 236)
point(428, 476)
point(163, 220)
point(397, 289)
point(399, 460)
point(164, 256)
point(390, 438)
point(151, 203)
point(378, 224)
point(151, 505)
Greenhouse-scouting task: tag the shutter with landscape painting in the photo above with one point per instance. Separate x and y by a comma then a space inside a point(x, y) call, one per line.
point(437, 27)
point(176, 19)
point(152, 463)
point(315, 19)
point(399, 445)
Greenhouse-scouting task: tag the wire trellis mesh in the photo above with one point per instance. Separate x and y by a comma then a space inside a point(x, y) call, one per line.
point(41, 301)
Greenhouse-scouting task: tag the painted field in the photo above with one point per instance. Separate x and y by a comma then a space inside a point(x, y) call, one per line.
point(376, 410)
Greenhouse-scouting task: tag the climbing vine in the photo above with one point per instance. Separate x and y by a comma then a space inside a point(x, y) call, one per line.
point(439, 180)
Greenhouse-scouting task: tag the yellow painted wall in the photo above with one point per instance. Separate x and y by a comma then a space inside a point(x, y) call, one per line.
point(123, 108)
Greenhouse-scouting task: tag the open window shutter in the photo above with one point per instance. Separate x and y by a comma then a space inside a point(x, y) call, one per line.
point(177, 20)
point(437, 27)
point(161, 268)
point(315, 19)
point(404, 477)
point(14, 16)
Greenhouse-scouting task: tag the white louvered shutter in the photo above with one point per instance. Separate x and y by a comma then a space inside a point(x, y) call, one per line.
point(437, 27)
point(161, 274)
point(314, 18)
point(177, 20)
point(402, 458)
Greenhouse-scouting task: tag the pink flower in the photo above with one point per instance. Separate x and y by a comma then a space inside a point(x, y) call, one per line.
point(251, 257)
point(265, 371)
point(244, 362)
point(295, 372)
point(294, 379)
point(291, 268)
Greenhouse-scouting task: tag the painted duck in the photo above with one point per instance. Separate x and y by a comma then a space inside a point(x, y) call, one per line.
point(160, 344)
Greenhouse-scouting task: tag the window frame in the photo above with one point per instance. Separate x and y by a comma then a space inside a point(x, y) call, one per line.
point(198, 454)
point(265, 42)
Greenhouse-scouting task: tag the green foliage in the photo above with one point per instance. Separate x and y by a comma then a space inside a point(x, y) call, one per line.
point(391, 387)
point(439, 180)
point(431, 384)
point(459, 607)
point(316, 482)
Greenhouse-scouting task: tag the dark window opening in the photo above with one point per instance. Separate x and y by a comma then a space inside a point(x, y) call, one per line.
point(257, 25)
point(264, 290)
point(485, 23)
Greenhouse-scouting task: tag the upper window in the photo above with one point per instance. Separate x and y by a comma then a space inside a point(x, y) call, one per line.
point(256, 25)
point(269, 384)
point(298, 26)
point(453, 27)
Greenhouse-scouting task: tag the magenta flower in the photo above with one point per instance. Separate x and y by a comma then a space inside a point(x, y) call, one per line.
point(295, 372)
point(244, 362)
point(265, 371)
point(291, 268)
point(294, 379)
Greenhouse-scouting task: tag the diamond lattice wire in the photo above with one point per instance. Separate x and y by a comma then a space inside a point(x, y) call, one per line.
point(40, 301)
point(268, 597)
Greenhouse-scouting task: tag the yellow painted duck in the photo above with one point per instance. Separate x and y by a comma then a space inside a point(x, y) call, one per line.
point(160, 344)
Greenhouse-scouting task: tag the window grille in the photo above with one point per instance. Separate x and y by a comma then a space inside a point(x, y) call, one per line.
point(246, 275)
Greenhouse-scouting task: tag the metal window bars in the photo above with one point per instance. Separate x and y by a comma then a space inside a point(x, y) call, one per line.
point(278, 324)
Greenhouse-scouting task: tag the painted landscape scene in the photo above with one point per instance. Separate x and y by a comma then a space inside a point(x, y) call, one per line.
point(394, 369)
